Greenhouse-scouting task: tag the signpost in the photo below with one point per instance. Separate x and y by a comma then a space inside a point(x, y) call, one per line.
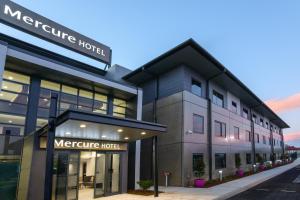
point(30, 22)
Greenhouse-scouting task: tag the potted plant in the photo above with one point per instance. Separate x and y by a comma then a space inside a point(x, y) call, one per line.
point(145, 184)
point(199, 172)
point(260, 160)
point(238, 164)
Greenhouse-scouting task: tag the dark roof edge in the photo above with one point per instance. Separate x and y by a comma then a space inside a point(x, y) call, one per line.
point(201, 50)
point(50, 54)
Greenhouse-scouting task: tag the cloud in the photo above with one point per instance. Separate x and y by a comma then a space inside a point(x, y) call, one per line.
point(288, 137)
point(285, 104)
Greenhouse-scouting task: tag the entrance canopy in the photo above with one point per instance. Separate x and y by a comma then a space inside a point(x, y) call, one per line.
point(88, 125)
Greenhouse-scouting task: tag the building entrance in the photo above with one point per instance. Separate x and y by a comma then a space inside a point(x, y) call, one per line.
point(85, 175)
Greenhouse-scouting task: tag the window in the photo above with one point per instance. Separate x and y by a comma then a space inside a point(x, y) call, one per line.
point(254, 118)
point(220, 160)
point(236, 133)
point(248, 158)
point(245, 113)
point(267, 125)
point(196, 88)
point(271, 126)
point(13, 102)
point(257, 137)
point(236, 158)
point(264, 140)
point(197, 158)
point(218, 99)
point(265, 157)
point(220, 129)
point(248, 136)
point(198, 123)
point(234, 106)
point(119, 109)
point(270, 141)
point(261, 122)
point(100, 103)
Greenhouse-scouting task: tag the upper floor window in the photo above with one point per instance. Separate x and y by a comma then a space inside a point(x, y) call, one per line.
point(218, 99)
point(261, 122)
point(245, 113)
point(267, 125)
point(196, 88)
point(234, 106)
point(254, 118)
point(236, 133)
point(220, 129)
point(198, 123)
point(119, 109)
point(248, 136)
point(264, 140)
point(257, 137)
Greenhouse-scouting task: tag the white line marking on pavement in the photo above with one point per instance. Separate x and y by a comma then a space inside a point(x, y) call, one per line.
point(287, 191)
point(266, 190)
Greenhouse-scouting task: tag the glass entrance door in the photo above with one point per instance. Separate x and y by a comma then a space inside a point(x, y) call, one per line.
point(100, 175)
point(113, 173)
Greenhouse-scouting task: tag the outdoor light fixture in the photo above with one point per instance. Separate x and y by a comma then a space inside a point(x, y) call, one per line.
point(221, 175)
point(82, 125)
point(9, 121)
point(45, 99)
point(103, 136)
point(143, 133)
point(120, 130)
point(231, 137)
point(4, 87)
point(1, 94)
point(126, 138)
point(68, 133)
point(10, 78)
point(254, 168)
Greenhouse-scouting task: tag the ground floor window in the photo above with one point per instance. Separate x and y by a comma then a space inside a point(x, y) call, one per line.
point(220, 160)
point(197, 159)
point(248, 158)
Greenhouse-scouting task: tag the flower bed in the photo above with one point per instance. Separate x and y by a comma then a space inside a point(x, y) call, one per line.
point(214, 182)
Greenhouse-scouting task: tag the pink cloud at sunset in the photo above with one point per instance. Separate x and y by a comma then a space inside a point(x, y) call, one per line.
point(292, 136)
point(285, 104)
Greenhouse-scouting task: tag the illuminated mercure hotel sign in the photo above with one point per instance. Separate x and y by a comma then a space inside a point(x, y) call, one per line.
point(79, 144)
point(21, 18)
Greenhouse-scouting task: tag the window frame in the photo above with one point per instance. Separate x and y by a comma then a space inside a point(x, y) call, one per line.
point(202, 118)
point(198, 84)
point(223, 161)
point(222, 125)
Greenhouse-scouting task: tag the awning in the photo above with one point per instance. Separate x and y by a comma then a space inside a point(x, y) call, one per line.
point(88, 125)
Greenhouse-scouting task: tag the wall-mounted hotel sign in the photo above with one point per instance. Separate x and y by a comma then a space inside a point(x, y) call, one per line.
point(25, 20)
point(78, 144)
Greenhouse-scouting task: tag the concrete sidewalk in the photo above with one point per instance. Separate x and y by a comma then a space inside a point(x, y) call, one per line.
point(218, 192)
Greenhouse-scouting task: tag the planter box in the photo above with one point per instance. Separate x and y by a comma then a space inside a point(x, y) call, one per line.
point(199, 183)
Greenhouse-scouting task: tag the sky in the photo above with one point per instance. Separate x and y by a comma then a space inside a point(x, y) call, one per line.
point(259, 41)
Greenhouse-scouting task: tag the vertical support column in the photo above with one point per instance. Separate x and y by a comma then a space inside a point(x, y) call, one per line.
point(3, 52)
point(209, 130)
point(138, 142)
point(253, 138)
point(110, 105)
point(50, 146)
point(32, 106)
point(272, 143)
point(282, 141)
point(155, 166)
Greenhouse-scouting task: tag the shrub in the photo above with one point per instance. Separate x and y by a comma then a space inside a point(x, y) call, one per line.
point(145, 184)
point(238, 161)
point(200, 169)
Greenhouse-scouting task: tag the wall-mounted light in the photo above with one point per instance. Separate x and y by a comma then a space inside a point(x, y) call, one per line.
point(103, 136)
point(120, 130)
point(68, 133)
point(126, 138)
point(143, 133)
point(82, 126)
point(10, 78)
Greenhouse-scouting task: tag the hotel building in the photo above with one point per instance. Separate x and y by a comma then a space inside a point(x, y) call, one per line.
point(69, 130)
